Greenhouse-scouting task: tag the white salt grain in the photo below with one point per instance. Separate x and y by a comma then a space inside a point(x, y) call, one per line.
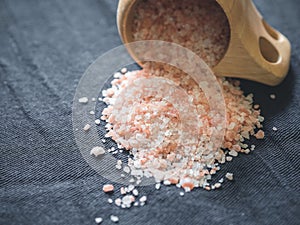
point(233, 153)
point(118, 201)
point(229, 176)
point(181, 193)
point(96, 151)
point(97, 121)
point(143, 199)
point(86, 127)
point(228, 158)
point(217, 185)
point(135, 192)
point(83, 100)
point(272, 96)
point(157, 186)
point(126, 169)
point(274, 128)
point(98, 220)
point(123, 70)
point(114, 219)
point(110, 201)
point(92, 112)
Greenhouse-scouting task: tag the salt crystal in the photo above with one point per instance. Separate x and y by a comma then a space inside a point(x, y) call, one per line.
point(118, 201)
point(123, 70)
point(114, 219)
point(181, 193)
point(92, 112)
point(228, 158)
point(143, 199)
point(109, 200)
point(135, 192)
point(157, 186)
point(108, 188)
point(272, 96)
point(126, 169)
point(233, 153)
point(97, 122)
point(130, 187)
point(83, 100)
point(274, 128)
point(229, 176)
point(86, 127)
point(96, 151)
point(217, 185)
point(98, 220)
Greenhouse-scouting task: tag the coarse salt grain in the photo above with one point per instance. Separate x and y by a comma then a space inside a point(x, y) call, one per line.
point(229, 176)
point(272, 96)
point(96, 151)
point(118, 202)
point(108, 188)
point(123, 70)
point(114, 218)
point(157, 186)
point(83, 100)
point(135, 192)
point(143, 199)
point(98, 220)
point(110, 201)
point(97, 122)
point(274, 128)
point(86, 127)
point(233, 153)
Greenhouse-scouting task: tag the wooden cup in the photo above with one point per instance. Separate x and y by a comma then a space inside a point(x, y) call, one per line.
point(256, 51)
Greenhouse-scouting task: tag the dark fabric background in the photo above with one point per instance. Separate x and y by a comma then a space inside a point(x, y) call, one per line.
point(45, 46)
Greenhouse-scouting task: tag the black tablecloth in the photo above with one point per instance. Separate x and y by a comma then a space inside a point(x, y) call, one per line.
point(45, 46)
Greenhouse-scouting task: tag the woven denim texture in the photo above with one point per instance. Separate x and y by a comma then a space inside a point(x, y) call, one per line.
point(45, 46)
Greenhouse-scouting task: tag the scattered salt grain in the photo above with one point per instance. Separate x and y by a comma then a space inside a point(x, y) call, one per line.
point(96, 151)
point(143, 198)
point(118, 202)
point(108, 188)
point(83, 100)
point(274, 128)
point(130, 188)
point(114, 218)
point(135, 192)
point(123, 191)
point(93, 99)
point(86, 127)
point(228, 158)
point(98, 220)
point(272, 96)
point(124, 70)
point(92, 112)
point(97, 122)
point(181, 193)
point(110, 201)
point(217, 185)
point(229, 176)
point(157, 186)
